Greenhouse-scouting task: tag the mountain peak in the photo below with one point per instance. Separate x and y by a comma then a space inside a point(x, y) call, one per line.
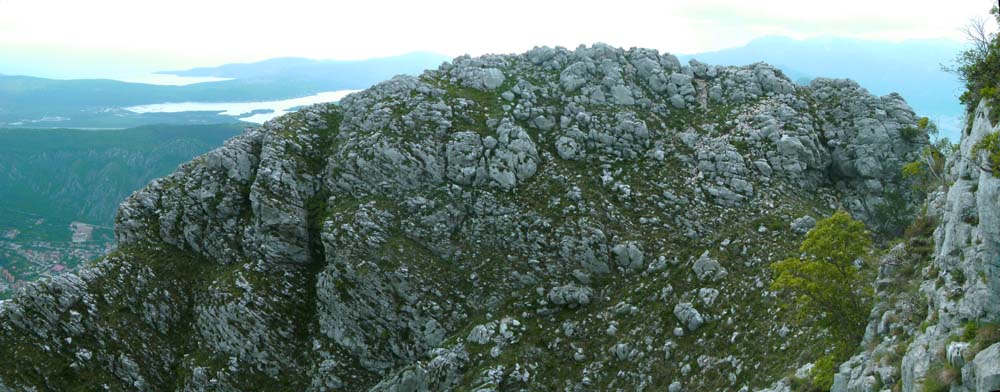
point(595, 218)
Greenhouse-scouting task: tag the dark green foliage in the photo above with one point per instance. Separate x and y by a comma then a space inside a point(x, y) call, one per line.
point(922, 226)
point(804, 384)
point(824, 282)
point(820, 378)
point(909, 133)
point(924, 127)
point(971, 218)
point(991, 145)
point(969, 331)
point(890, 215)
point(959, 276)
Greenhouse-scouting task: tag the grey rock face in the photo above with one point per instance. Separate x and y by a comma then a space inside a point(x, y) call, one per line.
point(707, 268)
point(622, 95)
point(963, 291)
point(986, 368)
point(469, 228)
point(628, 256)
point(570, 295)
point(590, 250)
point(688, 316)
point(804, 224)
point(481, 78)
point(442, 372)
point(515, 157)
point(567, 148)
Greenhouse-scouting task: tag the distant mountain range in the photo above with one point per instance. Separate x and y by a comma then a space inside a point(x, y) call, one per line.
point(34, 102)
point(911, 68)
point(334, 73)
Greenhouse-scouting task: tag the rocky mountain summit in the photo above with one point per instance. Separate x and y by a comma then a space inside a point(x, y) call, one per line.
point(576, 220)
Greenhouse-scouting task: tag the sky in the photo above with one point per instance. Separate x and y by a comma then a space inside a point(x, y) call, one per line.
point(186, 33)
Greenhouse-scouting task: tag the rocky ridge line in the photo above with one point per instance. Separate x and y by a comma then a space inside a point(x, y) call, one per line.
point(573, 220)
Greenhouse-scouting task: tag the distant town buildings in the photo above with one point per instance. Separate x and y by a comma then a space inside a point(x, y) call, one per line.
point(23, 260)
point(82, 232)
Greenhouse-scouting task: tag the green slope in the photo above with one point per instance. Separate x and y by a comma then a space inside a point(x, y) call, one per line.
point(83, 175)
point(51, 178)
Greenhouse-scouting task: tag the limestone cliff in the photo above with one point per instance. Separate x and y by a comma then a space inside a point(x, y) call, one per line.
point(594, 219)
point(938, 329)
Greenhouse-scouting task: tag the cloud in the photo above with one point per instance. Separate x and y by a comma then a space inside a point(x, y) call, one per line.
point(883, 19)
point(248, 30)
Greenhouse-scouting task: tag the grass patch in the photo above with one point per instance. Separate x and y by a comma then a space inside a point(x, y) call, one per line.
point(980, 336)
point(940, 376)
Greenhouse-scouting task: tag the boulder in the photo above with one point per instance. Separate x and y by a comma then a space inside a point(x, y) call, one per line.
point(628, 256)
point(688, 315)
point(570, 295)
point(986, 366)
point(707, 268)
point(804, 224)
point(956, 352)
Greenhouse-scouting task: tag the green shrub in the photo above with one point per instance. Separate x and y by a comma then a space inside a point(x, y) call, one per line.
point(797, 384)
point(980, 335)
point(972, 220)
point(969, 331)
point(824, 283)
point(889, 217)
point(928, 172)
point(990, 144)
point(823, 371)
point(918, 235)
point(979, 68)
point(924, 127)
point(909, 133)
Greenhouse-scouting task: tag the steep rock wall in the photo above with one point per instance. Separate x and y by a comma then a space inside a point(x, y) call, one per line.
point(959, 286)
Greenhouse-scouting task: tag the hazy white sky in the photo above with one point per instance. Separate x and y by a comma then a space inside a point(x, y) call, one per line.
point(211, 31)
